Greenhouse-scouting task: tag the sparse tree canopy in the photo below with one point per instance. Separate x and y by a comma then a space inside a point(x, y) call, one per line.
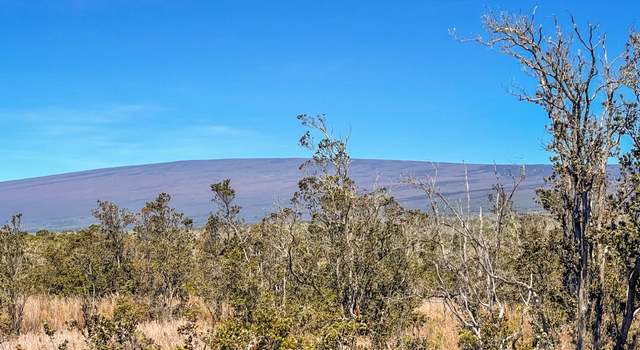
point(582, 92)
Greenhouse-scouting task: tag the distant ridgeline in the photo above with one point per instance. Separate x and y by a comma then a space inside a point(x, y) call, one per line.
point(64, 202)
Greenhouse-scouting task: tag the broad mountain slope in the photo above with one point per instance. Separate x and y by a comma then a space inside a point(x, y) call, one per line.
point(64, 202)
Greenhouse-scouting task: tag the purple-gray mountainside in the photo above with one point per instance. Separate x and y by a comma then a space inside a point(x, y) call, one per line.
point(64, 202)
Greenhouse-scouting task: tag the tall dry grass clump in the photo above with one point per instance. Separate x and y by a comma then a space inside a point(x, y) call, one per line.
point(440, 329)
point(57, 311)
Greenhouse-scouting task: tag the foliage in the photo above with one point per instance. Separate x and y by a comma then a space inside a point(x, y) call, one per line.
point(343, 267)
point(114, 223)
point(14, 274)
point(118, 332)
point(591, 103)
point(164, 254)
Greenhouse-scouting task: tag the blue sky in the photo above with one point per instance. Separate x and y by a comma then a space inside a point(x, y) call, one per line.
point(90, 84)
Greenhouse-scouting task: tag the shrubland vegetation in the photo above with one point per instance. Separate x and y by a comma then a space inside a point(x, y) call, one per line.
point(347, 268)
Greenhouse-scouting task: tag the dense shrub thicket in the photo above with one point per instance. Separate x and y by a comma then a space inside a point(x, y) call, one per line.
point(336, 266)
point(344, 268)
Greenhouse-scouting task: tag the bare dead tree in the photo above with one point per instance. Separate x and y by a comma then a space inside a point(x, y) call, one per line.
point(472, 277)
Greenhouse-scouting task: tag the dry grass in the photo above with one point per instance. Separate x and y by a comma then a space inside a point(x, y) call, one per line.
point(440, 328)
point(39, 341)
point(56, 311)
point(164, 334)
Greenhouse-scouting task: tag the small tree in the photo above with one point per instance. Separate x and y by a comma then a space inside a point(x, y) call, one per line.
point(356, 256)
point(625, 227)
point(165, 253)
point(227, 258)
point(14, 273)
point(578, 89)
point(91, 267)
point(118, 332)
point(114, 223)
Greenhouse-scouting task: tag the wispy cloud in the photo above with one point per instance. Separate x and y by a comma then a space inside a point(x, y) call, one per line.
point(85, 115)
point(223, 130)
point(203, 129)
point(55, 126)
point(68, 139)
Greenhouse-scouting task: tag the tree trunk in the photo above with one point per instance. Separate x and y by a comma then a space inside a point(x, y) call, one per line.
point(599, 299)
point(582, 307)
point(627, 316)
